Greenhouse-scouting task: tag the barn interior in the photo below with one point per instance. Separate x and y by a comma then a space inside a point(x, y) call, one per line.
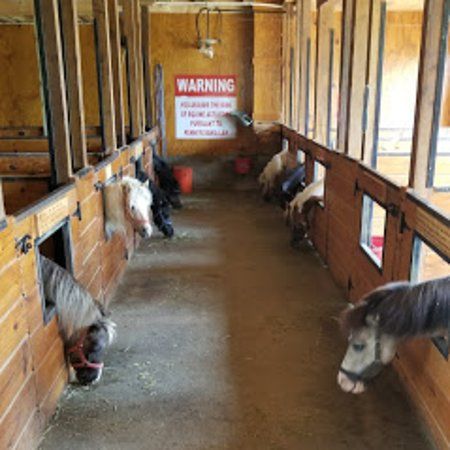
point(226, 336)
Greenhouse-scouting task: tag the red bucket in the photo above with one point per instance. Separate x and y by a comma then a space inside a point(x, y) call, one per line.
point(242, 165)
point(183, 175)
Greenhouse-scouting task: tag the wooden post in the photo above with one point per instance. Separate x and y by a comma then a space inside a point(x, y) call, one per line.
point(373, 58)
point(323, 70)
point(305, 38)
point(133, 67)
point(74, 80)
point(433, 38)
point(52, 68)
point(357, 78)
point(147, 68)
point(2, 206)
point(344, 87)
point(105, 78)
point(117, 70)
point(140, 64)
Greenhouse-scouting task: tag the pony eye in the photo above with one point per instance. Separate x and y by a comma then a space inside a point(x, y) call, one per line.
point(358, 347)
point(132, 208)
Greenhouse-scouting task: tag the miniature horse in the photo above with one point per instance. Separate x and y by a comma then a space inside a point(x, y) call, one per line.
point(83, 325)
point(167, 182)
point(127, 199)
point(160, 206)
point(387, 316)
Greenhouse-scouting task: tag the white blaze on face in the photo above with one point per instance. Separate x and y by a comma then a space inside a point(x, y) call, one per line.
point(361, 353)
point(138, 203)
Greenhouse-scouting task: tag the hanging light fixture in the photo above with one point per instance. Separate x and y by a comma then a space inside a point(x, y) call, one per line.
point(205, 44)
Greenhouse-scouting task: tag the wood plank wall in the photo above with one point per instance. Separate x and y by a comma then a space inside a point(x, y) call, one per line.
point(336, 234)
point(32, 366)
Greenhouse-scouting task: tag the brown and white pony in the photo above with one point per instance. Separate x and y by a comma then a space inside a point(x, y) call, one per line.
point(384, 318)
point(128, 200)
point(300, 211)
point(83, 325)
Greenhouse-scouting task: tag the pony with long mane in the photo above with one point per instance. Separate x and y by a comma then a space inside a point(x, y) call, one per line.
point(83, 324)
point(384, 318)
point(271, 173)
point(300, 211)
point(167, 182)
point(128, 200)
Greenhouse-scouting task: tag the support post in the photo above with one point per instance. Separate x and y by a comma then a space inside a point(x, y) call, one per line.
point(74, 80)
point(130, 29)
point(323, 70)
point(434, 35)
point(147, 68)
point(357, 79)
point(105, 78)
point(304, 31)
point(2, 207)
point(54, 88)
point(117, 71)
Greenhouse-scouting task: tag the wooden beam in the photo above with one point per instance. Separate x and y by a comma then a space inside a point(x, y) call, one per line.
point(373, 61)
point(105, 77)
point(344, 85)
point(357, 79)
point(427, 108)
point(117, 71)
point(323, 71)
point(74, 80)
point(140, 64)
point(305, 39)
point(2, 207)
point(52, 70)
point(132, 67)
point(147, 68)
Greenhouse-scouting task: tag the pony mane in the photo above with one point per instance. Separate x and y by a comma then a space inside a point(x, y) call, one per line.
point(75, 307)
point(114, 208)
point(403, 309)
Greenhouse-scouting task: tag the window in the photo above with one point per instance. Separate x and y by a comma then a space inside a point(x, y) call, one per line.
point(55, 245)
point(397, 76)
point(373, 224)
point(319, 171)
point(427, 264)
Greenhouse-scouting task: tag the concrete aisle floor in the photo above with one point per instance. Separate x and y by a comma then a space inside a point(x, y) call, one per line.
point(226, 340)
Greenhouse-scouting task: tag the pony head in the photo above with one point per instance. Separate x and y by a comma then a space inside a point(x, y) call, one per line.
point(87, 352)
point(138, 200)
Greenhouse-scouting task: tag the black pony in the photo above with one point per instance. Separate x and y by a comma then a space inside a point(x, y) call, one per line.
point(167, 182)
point(160, 206)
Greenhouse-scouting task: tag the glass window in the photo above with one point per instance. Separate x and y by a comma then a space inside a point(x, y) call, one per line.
point(373, 224)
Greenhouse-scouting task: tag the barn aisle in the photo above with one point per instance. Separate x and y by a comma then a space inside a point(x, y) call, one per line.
point(226, 340)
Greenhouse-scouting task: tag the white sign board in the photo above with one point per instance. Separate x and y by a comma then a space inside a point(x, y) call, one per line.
point(201, 105)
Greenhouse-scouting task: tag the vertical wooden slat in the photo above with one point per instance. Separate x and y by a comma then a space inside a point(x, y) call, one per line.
point(373, 58)
point(72, 59)
point(427, 93)
point(52, 67)
point(117, 68)
point(147, 68)
point(305, 34)
point(357, 78)
point(140, 64)
point(344, 85)
point(2, 206)
point(132, 63)
point(323, 68)
point(105, 78)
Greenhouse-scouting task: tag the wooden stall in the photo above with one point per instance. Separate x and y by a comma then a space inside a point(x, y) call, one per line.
point(375, 224)
point(61, 139)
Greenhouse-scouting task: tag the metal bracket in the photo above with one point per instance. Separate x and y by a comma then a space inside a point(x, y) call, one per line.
point(77, 212)
point(24, 244)
point(392, 209)
point(99, 186)
point(356, 188)
point(403, 224)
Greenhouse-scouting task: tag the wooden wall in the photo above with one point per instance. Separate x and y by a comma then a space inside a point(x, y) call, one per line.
point(21, 104)
point(32, 366)
point(336, 232)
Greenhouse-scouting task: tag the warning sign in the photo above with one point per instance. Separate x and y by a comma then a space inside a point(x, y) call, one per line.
point(201, 105)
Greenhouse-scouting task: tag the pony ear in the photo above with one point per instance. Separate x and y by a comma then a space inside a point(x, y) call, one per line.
point(373, 320)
